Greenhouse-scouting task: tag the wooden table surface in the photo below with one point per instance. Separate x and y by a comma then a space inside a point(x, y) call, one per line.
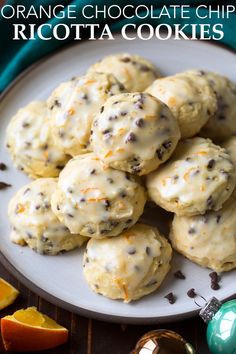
point(89, 336)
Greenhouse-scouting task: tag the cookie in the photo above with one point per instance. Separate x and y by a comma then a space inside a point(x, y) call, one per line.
point(200, 176)
point(33, 222)
point(230, 146)
point(30, 143)
point(128, 266)
point(133, 71)
point(209, 239)
point(222, 124)
point(74, 104)
point(95, 200)
point(134, 132)
point(190, 97)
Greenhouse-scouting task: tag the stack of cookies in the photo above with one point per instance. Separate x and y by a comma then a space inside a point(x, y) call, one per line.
point(101, 145)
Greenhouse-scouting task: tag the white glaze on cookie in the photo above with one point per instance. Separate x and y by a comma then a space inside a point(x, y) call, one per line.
point(97, 201)
point(134, 132)
point(128, 266)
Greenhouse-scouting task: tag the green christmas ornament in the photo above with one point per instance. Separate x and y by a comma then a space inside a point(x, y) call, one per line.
point(221, 329)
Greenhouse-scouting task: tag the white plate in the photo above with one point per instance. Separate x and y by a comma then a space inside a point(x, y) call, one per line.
point(59, 279)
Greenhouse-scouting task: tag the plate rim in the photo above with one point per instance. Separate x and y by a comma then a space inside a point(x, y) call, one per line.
point(52, 298)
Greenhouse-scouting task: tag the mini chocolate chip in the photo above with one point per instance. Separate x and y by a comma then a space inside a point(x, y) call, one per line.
point(218, 217)
point(93, 171)
point(123, 113)
point(191, 293)
point(139, 105)
point(58, 207)
point(60, 167)
point(85, 97)
point(57, 103)
point(211, 164)
point(61, 134)
point(123, 194)
point(192, 231)
point(131, 138)
point(205, 218)
point(148, 250)
point(110, 180)
point(27, 190)
point(140, 122)
point(210, 202)
point(82, 200)
point(201, 72)
point(113, 223)
point(70, 190)
point(104, 231)
point(106, 131)
point(167, 144)
point(25, 125)
point(160, 153)
point(208, 112)
point(121, 87)
point(3, 167)
point(90, 230)
point(221, 117)
point(215, 285)
point(111, 118)
point(37, 207)
point(44, 239)
point(45, 147)
point(102, 109)
point(179, 275)
point(70, 215)
point(171, 298)
point(214, 277)
point(129, 221)
point(29, 235)
point(125, 60)
point(163, 116)
point(131, 251)
point(141, 98)
point(4, 185)
point(144, 68)
point(107, 204)
point(195, 173)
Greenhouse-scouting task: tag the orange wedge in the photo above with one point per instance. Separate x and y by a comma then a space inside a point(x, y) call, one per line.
point(30, 330)
point(8, 294)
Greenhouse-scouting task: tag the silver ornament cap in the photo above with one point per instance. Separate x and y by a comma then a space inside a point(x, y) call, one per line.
point(210, 309)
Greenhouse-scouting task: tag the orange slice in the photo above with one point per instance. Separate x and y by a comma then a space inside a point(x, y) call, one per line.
point(30, 330)
point(8, 294)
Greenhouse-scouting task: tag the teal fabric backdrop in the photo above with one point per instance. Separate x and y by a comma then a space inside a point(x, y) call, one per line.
point(15, 56)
